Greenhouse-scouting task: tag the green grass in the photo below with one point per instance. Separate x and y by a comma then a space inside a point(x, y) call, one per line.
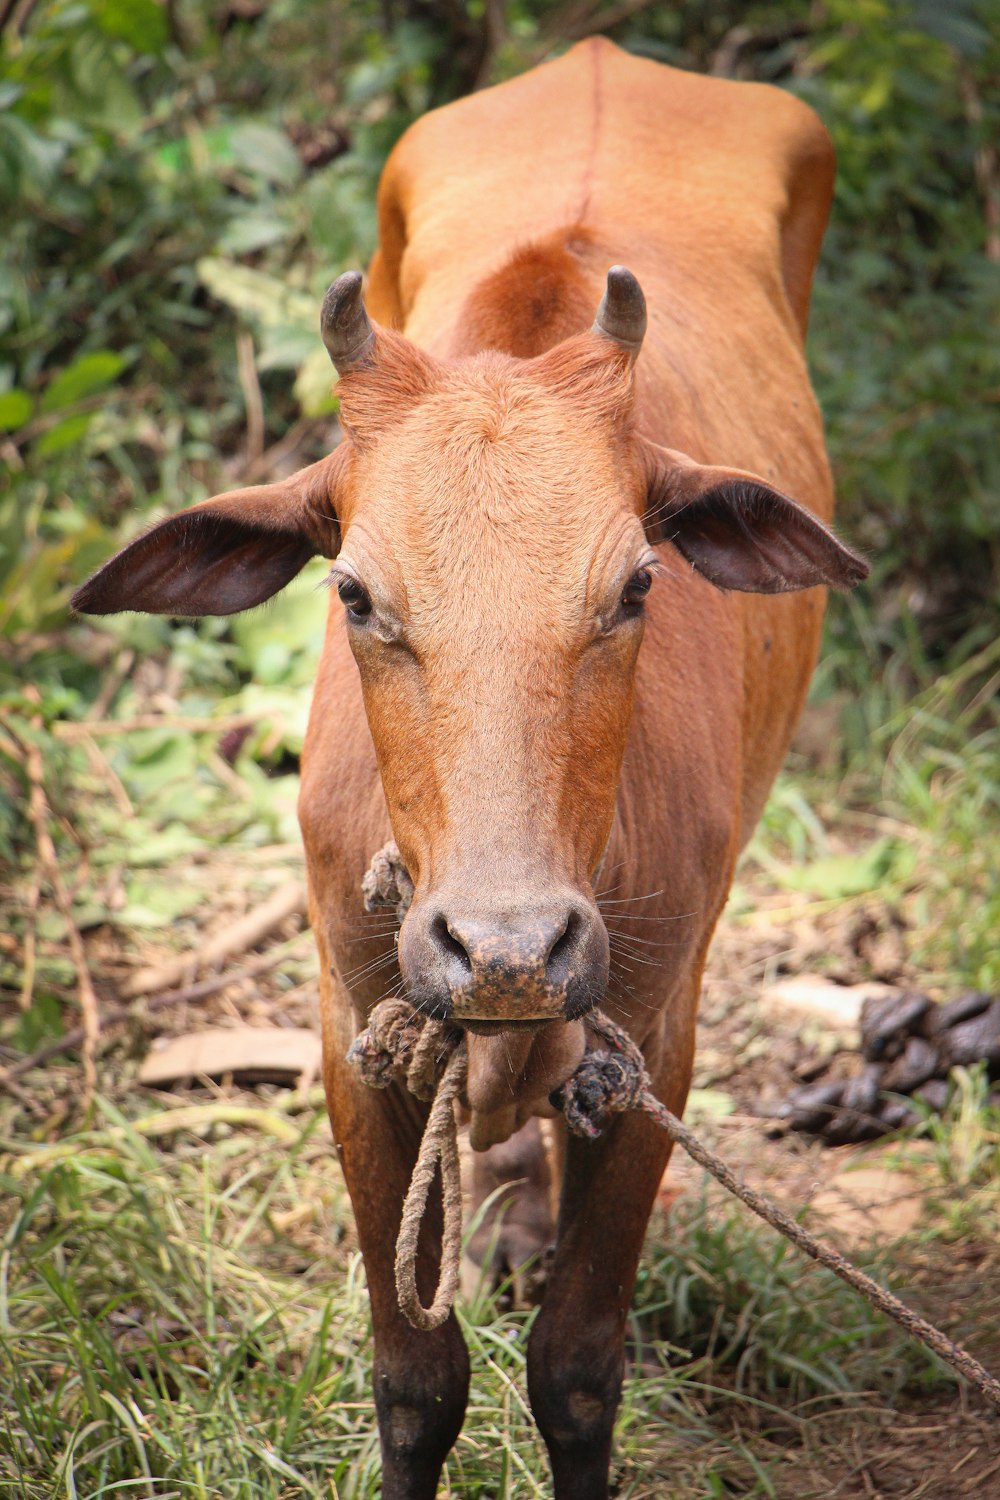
point(964, 1166)
point(190, 1318)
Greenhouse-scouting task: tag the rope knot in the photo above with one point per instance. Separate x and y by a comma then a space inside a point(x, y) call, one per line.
point(387, 883)
point(400, 1042)
point(605, 1084)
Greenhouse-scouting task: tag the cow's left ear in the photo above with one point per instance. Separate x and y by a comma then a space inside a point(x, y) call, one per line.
point(226, 554)
point(738, 531)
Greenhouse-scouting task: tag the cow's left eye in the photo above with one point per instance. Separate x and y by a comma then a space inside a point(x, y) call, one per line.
point(354, 597)
point(636, 590)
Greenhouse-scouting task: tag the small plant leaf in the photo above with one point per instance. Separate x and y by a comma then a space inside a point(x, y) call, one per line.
point(84, 377)
point(15, 409)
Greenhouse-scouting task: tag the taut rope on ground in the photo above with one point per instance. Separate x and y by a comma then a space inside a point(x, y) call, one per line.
point(611, 1078)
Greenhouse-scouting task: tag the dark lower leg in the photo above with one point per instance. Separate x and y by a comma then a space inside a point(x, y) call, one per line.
point(421, 1385)
point(420, 1380)
point(576, 1351)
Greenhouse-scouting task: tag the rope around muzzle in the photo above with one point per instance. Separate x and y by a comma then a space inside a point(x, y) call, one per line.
point(610, 1080)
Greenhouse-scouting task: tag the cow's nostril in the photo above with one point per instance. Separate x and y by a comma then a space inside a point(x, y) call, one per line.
point(447, 941)
point(560, 956)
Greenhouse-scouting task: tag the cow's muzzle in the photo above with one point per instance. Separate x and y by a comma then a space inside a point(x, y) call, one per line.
point(548, 961)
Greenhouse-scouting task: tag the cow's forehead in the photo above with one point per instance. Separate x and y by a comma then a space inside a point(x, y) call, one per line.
point(513, 508)
point(492, 450)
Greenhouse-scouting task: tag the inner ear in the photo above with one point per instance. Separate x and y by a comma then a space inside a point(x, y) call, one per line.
point(202, 562)
point(227, 554)
point(738, 531)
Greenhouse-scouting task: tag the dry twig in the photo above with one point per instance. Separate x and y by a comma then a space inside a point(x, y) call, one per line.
point(246, 369)
point(30, 940)
point(103, 768)
point(986, 166)
point(73, 729)
point(118, 1014)
point(288, 901)
point(111, 684)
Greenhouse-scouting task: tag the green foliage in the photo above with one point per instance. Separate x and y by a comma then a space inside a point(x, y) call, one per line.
point(930, 760)
point(905, 344)
point(142, 168)
point(966, 1137)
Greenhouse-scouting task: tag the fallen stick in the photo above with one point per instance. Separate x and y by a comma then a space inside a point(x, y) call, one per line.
point(288, 901)
point(103, 767)
point(21, 1094)
point(75, 729)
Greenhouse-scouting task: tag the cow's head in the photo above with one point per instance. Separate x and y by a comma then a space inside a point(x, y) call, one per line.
point(492, 524)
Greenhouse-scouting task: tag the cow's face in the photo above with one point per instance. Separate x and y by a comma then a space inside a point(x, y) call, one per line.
point(493, 572)
point(491, 524)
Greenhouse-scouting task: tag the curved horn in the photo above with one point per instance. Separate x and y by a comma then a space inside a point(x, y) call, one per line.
point(345, 325)
point(621, 316)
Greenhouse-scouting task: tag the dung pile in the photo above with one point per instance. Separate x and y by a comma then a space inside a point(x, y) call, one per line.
point(909, 1045)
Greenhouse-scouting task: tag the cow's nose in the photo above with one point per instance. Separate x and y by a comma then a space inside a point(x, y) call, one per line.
point(536, 951)
point(540, 964)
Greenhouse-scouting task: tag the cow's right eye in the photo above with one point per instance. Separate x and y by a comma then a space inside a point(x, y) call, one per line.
point(354, 598)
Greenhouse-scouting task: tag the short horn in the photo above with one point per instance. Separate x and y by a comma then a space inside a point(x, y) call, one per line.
point(345, 325)
point(621, 316)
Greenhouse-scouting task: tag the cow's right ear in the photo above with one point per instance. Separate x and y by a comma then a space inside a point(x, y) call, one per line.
point(737, 530)
point(226, 554)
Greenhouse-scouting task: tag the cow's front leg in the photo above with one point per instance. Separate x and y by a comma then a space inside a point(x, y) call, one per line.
point(576, 1352)
point(420, 1380)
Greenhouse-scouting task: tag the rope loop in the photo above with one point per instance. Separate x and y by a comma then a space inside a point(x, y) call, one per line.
point(439, 1147)
point(399, 1042)
point(387, 883)
point(386, 1048)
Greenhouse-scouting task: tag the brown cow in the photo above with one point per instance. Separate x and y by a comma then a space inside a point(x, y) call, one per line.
point(497, 512)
